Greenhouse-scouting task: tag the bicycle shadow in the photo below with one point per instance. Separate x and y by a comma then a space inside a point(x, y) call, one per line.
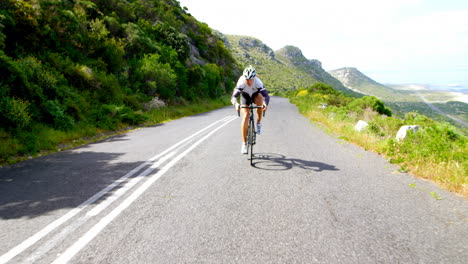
point(278, 162)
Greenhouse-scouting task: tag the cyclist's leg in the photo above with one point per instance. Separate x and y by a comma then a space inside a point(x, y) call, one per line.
point(245, 101)
point(245, 123)
point(258, 100)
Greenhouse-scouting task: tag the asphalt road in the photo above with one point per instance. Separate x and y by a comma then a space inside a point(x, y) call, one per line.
point(181, 192)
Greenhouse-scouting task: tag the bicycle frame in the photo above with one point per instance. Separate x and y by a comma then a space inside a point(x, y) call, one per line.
point(251, 131)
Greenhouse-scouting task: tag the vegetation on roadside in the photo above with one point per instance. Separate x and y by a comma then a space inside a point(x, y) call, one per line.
point(75, 68)
point(437, 151)
point(47, 140)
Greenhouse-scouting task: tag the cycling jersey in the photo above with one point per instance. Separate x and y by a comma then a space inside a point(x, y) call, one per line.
point(249, 91)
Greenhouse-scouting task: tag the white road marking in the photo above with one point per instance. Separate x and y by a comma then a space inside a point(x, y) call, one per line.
point(96, 229)
point(54, 225)
point(52, 242)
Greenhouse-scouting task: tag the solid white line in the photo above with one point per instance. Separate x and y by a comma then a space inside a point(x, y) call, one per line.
point(52, 226)
point(52, 242)
point(96, 229)
point(103, 205)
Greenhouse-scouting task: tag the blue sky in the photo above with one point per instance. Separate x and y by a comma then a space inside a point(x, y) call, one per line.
point(392, 41)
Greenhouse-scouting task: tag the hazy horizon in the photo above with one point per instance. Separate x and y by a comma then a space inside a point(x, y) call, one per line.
point(446, 79)
point(391, 41)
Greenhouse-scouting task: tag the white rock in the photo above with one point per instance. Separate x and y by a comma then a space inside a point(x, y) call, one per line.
point(403, 130)
point(154, 104)
point(360, 125)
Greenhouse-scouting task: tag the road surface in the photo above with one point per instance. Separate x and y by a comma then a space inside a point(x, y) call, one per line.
point(181, 192)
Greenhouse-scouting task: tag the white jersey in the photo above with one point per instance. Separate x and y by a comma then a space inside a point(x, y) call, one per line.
point(256, 86)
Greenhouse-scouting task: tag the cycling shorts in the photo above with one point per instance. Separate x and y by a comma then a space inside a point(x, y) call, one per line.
point(246, 99)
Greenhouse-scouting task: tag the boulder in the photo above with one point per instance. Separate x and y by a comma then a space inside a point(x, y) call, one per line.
point(403, 130)
point(360, 125)
point(155, 103)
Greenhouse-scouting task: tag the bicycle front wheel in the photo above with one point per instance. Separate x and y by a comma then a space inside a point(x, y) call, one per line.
point(251, 140)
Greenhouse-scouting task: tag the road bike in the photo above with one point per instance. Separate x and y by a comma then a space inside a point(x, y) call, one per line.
point(251, 131)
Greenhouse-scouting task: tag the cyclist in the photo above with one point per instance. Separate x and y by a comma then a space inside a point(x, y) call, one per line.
point(252, 90)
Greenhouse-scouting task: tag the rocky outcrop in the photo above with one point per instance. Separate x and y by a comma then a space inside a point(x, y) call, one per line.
point(249, 43)
point(293, 57)
point(357, 81)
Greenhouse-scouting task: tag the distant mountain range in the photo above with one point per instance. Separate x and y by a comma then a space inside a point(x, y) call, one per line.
point(353, 79)
point(288, 68)
point(284, 69)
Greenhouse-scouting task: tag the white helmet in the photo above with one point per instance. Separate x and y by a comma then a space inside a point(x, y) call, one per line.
point(249, 72)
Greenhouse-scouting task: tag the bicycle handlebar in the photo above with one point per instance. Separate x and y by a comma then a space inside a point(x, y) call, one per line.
point(251, 107)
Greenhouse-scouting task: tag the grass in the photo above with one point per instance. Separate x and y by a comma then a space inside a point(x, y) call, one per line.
point(437, 152)
point(42, 140)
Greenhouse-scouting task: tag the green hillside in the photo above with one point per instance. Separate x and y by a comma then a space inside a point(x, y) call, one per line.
point(97, 65)
point(435, 104)
point(283, 70)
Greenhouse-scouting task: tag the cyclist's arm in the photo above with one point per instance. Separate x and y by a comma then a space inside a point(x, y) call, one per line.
point(266, 97)
point(234, 96)
point(262, 90)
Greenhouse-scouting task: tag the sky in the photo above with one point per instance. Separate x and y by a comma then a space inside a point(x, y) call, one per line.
point(391, 41)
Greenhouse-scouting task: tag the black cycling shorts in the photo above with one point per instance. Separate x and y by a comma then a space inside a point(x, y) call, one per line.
point(246, 99)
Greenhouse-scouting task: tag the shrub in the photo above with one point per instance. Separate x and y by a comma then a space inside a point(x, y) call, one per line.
point(160, 78)
point(212, 80)
point(360, 104)
point(138, 42)
point(385, 126)
point(113, 53)
point(2, 36)
point(171, 37)
point(61, 120)
point(14, 111)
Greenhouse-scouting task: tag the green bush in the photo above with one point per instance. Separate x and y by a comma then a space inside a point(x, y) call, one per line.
point(14, 112)
point(173, 38)
point(160, 79)
point(212, 80)
point(385, 126)
point(138, 41)
point(360, 104)
point(112, 51)
point(439, 143)
point(61, 120)
point(65, 65)
point(2, 36)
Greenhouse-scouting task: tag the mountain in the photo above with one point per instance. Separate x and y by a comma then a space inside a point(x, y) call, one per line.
point(293, 57)
point(281, 70)
point(353, 79)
